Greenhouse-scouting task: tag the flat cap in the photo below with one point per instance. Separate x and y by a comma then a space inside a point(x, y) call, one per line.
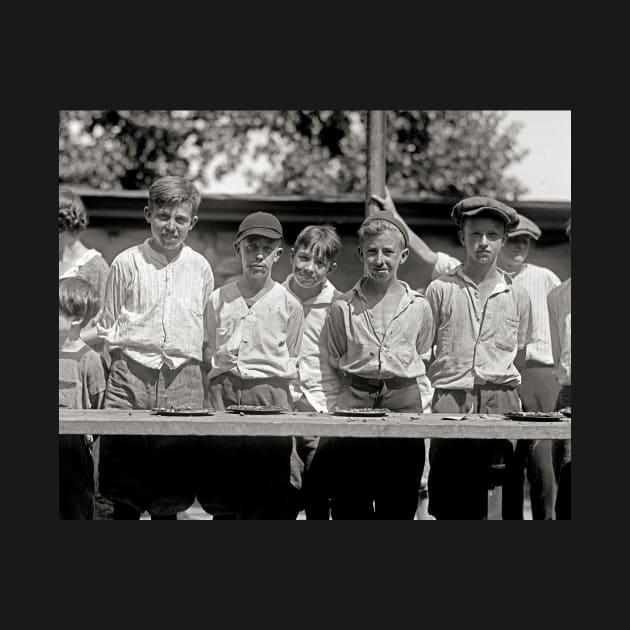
point(387, 215)
point(525, 226)
point(471, 206)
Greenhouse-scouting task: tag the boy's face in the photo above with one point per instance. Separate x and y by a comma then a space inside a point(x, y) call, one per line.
point(258, 254)
point(65, 322)
point(515, 251)
point(308, 269)
point(170, 226)
point(483, 238)
point(382, 254)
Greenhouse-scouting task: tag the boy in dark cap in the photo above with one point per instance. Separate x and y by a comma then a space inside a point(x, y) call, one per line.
point(377, 334)
point(254, 330)
point(483, 325)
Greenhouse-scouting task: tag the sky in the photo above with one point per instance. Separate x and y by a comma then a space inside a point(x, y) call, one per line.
point(545, 170)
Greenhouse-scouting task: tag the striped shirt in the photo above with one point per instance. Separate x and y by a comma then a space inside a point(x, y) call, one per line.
point(559, 302)
point(261, 341)
point(318, 381)
point(154, 308)
point(477, 343)
point(538, 281)
point(356, 347)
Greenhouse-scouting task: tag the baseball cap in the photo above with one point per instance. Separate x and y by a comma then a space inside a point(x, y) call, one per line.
point(261, 224)
point(387, 215)
point(525, 226)
point(471, 206)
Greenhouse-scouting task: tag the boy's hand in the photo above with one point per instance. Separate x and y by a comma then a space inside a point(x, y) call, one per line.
point(385, 203)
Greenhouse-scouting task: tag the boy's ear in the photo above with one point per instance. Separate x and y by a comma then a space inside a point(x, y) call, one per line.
point(292, 252)
point(461, 237)
point(279, 252)
point(237, 248)
point(147, 214)
point(360, 252)
point(404, 255)
point(331, 268)
point(193, 222)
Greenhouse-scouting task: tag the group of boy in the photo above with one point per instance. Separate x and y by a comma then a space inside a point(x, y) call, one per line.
point(302, 345)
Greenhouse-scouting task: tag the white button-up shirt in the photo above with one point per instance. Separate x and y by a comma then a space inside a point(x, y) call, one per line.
point(261, 341)
point(477, 343)
point(355, 347)
point(153, 308)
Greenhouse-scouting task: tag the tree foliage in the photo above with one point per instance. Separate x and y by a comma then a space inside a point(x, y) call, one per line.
point(320, 152)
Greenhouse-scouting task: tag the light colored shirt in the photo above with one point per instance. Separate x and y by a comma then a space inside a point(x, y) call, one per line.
point(538, 281)
point(154, 308)
point(261, 341)
point(559, 302)
point(356, 347)
point(477, 343)
point(317, 380)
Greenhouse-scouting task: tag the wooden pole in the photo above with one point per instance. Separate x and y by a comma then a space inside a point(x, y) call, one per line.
point(376, 175)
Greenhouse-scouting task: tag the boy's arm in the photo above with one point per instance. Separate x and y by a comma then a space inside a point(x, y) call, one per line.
point(337, 343)
point(295, 329)
point(207, 350)
point(115, 290)
point(424, 340)
point(97, 399)
point(434, 299)
point(553, 328)
point(209, 334)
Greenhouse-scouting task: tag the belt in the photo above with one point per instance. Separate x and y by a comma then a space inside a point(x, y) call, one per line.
point(395, 382)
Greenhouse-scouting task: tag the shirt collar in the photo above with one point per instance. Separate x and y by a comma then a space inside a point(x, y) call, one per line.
point(325, 296)
point(504, 284)
point(161, 258)
point(410, 294)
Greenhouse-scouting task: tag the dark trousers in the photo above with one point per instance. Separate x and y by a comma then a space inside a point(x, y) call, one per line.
point(562, 463)
point(538, 392)
point(246, 477)
point(377, 478)
point(76, 479)
point(144, 472)
point(462, 470)
point(311, 464)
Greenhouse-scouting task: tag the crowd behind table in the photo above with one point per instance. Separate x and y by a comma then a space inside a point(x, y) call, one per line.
point(480, 339)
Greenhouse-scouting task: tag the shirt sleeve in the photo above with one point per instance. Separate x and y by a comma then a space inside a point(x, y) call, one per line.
point(337, 343)
point(210, 317)
point(525, 327)
point(426, 333)
point(207, 292)
point(115, 291)
point(434, 299)
point(554, 328)
point(295, 328)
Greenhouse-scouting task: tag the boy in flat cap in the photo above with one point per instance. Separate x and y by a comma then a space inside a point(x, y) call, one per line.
point(254, 330)
point(377, 334)
point(483, 325)
point(538, 390)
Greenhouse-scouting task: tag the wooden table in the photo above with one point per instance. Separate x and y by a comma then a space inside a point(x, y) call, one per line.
point(430, 425)
point(117, 422)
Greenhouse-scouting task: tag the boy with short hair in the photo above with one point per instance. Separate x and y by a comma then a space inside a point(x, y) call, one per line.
point(254, 330)
point(81, 386)
point(559, 302)
point(313, 257)
point(377, 334)
point(152, 322)
point(483, 325)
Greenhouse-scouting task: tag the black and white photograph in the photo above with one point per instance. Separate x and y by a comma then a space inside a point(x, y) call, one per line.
point(314, 315)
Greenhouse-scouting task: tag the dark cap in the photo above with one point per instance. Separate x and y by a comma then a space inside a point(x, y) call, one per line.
point(386, 215)
point(527, 227)
point(261, 224)
point(471, 206)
